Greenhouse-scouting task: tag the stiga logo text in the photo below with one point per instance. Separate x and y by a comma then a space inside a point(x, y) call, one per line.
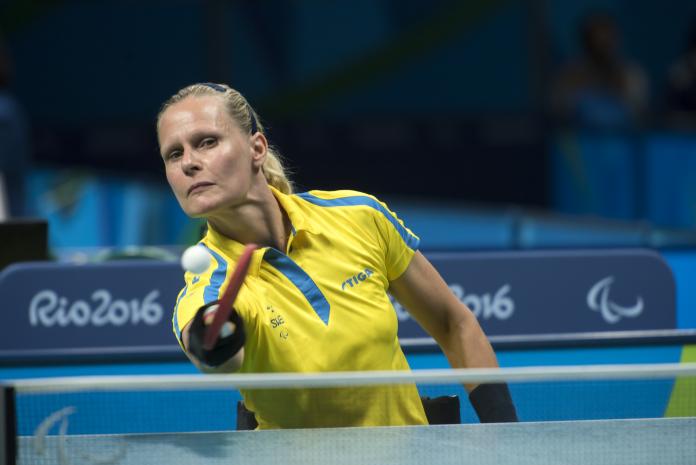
point(357, 279)
point(48, 309)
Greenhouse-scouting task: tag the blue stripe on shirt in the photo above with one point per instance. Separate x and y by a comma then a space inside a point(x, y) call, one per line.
point(212, 290)
point(301, 280)
point(175, 321)
point(410, 240)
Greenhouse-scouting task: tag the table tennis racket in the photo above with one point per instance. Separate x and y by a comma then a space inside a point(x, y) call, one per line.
point(225, 306)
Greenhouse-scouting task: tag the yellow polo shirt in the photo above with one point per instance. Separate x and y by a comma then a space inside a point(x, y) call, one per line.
point(321, 305)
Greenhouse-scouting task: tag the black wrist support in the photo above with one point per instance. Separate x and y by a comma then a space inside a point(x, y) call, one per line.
point(225, 348)
point(493, 403)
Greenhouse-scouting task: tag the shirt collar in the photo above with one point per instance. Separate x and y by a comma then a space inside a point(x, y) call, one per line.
point(299, 220)
point(233, 249)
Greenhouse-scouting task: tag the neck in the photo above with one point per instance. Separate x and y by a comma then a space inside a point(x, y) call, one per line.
point(260, 221)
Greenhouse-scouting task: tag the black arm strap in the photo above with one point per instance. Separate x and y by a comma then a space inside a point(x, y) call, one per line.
point(225, 348)
point(493, 403)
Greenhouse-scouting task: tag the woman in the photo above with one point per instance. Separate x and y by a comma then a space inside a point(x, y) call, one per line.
point(315, 298)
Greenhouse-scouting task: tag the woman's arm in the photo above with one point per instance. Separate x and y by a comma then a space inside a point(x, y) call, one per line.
point(423, 292)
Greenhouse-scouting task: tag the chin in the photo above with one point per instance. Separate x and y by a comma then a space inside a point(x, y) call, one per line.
point(199, 213)
point(198, 210)
point(205, 207)
point(196, 215)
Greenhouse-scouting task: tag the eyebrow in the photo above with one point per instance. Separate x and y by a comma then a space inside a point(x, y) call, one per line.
point(168, 149)
point(196, 135)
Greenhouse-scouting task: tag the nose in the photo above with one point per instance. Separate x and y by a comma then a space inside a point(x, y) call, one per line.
point(190, 162)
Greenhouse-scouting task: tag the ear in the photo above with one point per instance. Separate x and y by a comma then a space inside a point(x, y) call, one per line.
point(259, 148)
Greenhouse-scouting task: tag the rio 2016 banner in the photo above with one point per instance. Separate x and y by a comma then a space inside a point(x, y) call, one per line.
point(113, 308)
point(125, 307)
point(557, 292)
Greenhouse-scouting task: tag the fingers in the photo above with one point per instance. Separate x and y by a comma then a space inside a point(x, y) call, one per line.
point(227, 328)
point(229, 342)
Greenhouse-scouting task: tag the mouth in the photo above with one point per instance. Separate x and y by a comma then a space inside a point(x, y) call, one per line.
point(197, 187)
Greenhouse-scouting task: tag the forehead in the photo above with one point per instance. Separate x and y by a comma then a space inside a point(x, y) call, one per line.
point(194, 113)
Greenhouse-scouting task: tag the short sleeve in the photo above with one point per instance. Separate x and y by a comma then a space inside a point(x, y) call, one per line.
point(400, 242)
point(200, 289)
point(189, 300)
point(205, 288)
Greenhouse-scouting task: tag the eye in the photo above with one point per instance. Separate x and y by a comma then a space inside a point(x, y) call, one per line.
point(173, 155)
point(208, 142)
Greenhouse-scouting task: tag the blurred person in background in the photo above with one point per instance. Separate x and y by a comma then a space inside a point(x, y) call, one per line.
point(600, 89)
point(316, 296)
point(681, 85)
point(14, 142)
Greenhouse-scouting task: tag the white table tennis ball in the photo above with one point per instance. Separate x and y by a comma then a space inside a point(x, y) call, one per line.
point(195, 259)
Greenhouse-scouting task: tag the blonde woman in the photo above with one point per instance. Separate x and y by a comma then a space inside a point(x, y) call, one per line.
point(315, 298)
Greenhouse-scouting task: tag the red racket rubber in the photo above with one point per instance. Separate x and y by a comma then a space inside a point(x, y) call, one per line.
point(225, 305)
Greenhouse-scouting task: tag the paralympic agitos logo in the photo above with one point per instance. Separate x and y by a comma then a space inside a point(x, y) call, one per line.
point(599, 301)
point(56, 448)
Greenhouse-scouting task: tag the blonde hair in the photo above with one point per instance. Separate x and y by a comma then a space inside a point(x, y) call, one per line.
point(244, 115)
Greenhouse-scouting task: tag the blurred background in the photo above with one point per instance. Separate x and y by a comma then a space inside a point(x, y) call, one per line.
point(485, 124)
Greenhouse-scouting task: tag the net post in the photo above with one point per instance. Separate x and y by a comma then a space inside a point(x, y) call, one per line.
point(8, 426)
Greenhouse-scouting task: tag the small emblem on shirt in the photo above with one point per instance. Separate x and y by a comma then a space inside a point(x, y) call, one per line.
point(277, 322)
point(356, 279)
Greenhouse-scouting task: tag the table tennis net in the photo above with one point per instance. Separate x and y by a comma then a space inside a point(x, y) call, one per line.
point(63, 409)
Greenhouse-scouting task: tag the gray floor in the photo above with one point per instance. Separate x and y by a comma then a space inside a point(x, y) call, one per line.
point(650, 441)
